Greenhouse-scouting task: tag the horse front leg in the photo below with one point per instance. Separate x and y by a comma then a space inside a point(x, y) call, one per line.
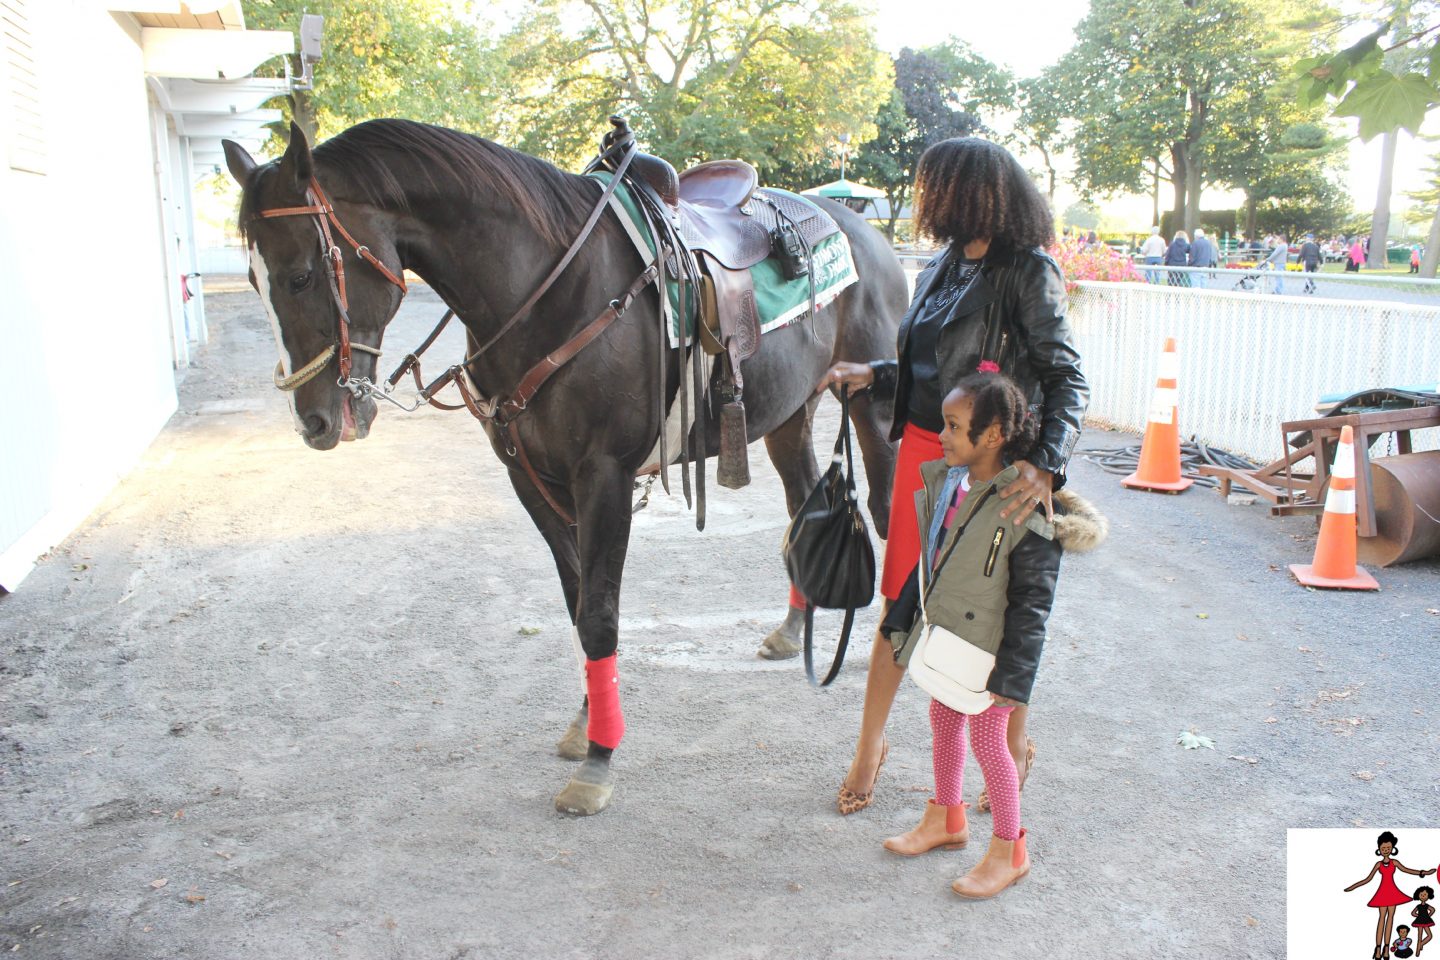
point(602, 502)
point(792, 451)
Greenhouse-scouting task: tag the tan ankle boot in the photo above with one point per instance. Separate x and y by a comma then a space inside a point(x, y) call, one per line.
point(931, 833)
point(1005, 864)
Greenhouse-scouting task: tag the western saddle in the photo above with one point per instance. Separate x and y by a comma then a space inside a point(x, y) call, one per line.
point(719, 220)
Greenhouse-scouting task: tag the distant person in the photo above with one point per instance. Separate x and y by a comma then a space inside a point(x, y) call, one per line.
point(1178, 255)
point(1202, 251)
point(1356, 257)
point(1153, 253)
point(1278, 258)
point(1415, 258)
point(1310, 258)
point(1092, 240)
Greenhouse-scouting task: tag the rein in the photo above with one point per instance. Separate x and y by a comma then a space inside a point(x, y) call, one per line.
point(322, 214)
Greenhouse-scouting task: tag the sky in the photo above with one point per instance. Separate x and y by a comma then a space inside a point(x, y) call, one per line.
point(1029, 36)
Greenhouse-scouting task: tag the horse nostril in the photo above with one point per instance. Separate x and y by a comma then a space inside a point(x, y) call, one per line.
point(314, 425)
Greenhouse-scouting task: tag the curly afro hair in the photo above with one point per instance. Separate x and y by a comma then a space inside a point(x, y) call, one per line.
point(971, 189)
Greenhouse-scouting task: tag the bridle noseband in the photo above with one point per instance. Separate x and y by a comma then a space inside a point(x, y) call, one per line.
point(322, 214)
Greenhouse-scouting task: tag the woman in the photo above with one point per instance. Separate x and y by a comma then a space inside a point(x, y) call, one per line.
point(1178, 255)
point(1389, 895)
point(992, 298)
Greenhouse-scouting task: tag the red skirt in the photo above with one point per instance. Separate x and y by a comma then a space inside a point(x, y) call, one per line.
point(902, 549)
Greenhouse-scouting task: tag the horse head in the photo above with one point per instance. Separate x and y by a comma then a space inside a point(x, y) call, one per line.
point(320, 267)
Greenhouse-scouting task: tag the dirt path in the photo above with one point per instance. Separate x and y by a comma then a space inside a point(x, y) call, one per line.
point(269, 703)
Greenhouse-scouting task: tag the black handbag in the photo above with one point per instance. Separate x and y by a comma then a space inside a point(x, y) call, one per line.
point(827, 549)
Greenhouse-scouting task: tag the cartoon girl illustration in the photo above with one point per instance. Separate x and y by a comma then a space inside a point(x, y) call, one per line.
point(1424, 915)
point(1389, 896)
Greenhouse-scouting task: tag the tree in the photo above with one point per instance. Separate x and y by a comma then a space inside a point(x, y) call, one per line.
point(1148, 82)
point(1387, 88)
point(1038, 127)
point(937, 95)
point(402, 58)
point(771, 81)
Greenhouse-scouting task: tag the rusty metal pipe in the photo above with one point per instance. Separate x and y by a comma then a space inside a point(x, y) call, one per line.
point(1407, 509)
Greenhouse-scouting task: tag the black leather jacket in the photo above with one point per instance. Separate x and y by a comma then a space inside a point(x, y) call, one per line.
point(1014, 314)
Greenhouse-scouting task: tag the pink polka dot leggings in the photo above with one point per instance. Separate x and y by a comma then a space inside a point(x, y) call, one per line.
point(987, 736)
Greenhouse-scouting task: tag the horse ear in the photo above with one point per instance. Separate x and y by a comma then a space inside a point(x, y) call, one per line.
point(239, 161)
point(296, 163)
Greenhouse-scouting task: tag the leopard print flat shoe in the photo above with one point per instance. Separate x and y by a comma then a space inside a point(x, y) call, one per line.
point(848, 801)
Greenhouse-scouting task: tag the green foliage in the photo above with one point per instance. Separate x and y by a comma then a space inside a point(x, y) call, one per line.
point(1159, 86)
point(773, 81)
point(1388, 82)
point(418, 59)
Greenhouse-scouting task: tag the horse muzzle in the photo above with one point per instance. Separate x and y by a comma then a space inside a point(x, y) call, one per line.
point(324, 431)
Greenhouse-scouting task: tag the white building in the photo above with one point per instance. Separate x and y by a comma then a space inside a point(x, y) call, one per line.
point(110, 109)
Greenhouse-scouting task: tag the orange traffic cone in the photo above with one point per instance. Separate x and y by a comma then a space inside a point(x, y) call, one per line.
point(1159, 467)
point(1334, 564)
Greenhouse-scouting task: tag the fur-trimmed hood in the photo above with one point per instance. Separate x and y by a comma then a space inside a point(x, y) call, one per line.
point(1079, 527)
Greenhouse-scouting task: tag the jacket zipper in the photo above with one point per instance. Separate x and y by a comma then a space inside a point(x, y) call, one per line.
point(994, 550)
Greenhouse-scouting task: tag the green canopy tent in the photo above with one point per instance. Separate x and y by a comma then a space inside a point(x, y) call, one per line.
point(856, 196)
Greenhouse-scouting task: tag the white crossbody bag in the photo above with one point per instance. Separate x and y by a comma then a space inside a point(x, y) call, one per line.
point(946, 665)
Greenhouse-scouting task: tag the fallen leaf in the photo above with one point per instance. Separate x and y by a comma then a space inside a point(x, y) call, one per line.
point(22, 839)
point(1433, 611)
point(1250, 760)
point(1191, 740)
point(1272, 719)
point(1365, 775)
point(223, 855)
point(67, 900)
point(1251, 922)
point(795, 887)
point(1202, 616)
point(194, 896)
point(529, 631)
point(179, 814)
point(1169, 579)
point(157, 884)
point(1241, 636)
point(1303, 649)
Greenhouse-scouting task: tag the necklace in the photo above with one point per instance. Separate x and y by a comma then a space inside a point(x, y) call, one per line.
point(956, 279)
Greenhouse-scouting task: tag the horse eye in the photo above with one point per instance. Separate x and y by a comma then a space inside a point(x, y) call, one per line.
point(300, 281)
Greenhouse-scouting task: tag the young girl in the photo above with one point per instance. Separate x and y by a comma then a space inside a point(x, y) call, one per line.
point(1424, 915)
point(981, 565)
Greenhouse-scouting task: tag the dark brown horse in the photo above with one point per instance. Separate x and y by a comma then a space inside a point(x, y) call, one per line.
point(483, 225)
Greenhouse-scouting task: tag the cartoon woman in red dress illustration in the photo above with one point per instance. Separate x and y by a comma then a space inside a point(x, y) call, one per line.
point(1389, 896)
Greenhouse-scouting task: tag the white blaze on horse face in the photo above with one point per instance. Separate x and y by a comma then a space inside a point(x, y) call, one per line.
point(262, 283)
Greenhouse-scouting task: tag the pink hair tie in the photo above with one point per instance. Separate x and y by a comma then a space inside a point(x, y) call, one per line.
point(988, 366)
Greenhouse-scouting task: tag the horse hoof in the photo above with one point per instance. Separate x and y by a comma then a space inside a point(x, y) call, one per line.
point(588, 792)
point(779, 646)
point(575, 744)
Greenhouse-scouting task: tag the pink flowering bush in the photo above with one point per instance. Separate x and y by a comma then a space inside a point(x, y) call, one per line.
point(1098, 262)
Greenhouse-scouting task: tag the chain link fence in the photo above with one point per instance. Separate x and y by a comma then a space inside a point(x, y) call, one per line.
point(1247, 362)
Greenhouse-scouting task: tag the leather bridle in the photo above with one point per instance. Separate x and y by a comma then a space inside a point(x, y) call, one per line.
point(322, 214)
point(502, 412)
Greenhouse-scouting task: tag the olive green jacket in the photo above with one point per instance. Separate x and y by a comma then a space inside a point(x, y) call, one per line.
point(996, 587)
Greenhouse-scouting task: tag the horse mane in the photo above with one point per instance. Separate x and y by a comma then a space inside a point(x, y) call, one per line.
point(391, 162)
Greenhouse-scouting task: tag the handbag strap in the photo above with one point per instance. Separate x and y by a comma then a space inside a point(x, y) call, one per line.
point(842, 442)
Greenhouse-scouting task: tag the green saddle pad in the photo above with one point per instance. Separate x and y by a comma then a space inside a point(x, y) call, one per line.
point(778, 301)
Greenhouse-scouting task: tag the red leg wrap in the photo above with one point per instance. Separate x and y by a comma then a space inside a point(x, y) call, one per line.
point(797, 599)
point(602, 684)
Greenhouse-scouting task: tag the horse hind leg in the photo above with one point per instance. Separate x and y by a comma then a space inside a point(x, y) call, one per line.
point(792, 451)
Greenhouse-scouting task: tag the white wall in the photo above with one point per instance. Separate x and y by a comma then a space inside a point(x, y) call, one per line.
point(86, 313)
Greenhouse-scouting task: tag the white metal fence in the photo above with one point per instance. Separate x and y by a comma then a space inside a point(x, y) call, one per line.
point(1247, 362)
point(1329, 286)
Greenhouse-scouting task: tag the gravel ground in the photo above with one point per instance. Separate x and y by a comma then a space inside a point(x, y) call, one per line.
point(273, 703)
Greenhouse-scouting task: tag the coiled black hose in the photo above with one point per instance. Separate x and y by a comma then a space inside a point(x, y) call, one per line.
point(1123, 461)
